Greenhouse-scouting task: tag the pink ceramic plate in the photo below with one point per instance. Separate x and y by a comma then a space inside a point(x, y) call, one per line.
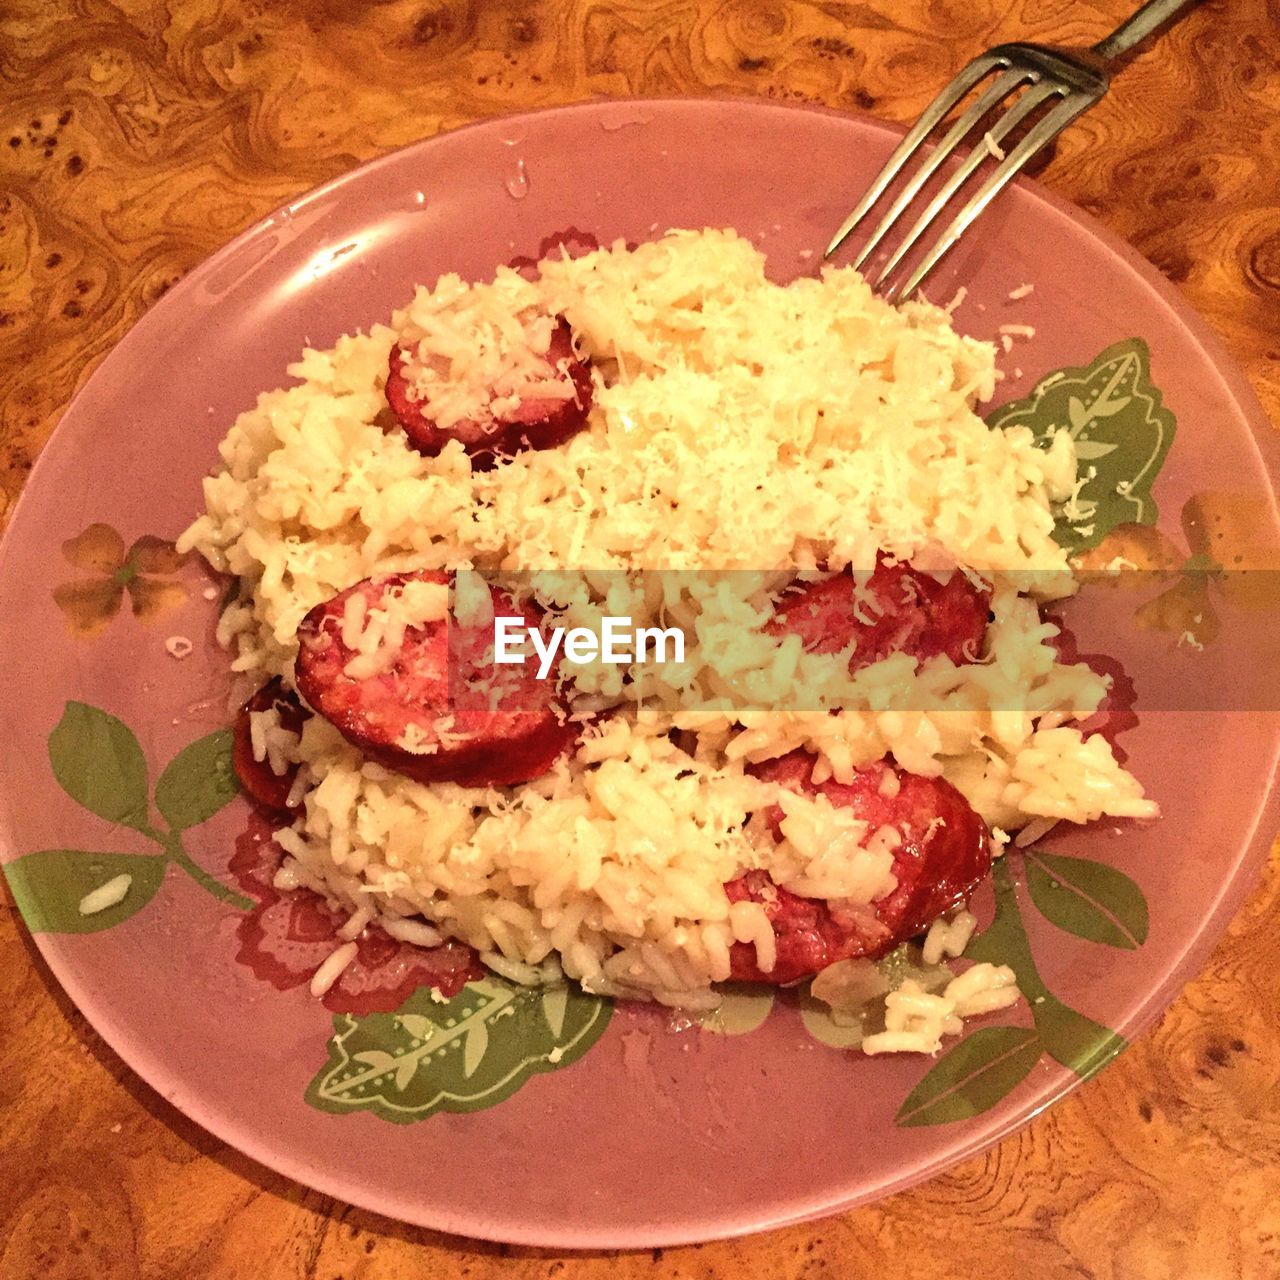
point(643, 1135)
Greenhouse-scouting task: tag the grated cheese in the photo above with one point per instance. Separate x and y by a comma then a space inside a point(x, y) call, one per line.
point(377, 635)
point(736, 425)
point(477, 351)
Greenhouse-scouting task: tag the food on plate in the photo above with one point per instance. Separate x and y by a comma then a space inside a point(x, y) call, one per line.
point(486, 367)
point(940, 850)
point(266, 730)
point(377, 660)
point(795, 479)
point(892, 609)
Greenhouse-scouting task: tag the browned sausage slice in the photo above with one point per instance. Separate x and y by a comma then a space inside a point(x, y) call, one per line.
point(258, 780)
point(899, 610)
point(532, 423)
point(490, 726)
point(808, 934)
point(945, 852)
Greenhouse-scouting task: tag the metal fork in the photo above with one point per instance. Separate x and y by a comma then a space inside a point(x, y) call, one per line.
point(1077, 78)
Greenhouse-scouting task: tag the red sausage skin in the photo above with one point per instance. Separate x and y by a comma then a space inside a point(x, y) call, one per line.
point(945, 853)
point(266, 789)
point(533, 424)
point(900, 611)
point(507, 729)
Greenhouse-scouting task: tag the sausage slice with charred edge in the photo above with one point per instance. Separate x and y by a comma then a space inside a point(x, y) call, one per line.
point(531, 424)
point(898, 610)
point(265, 787)
point(945, 852)
point(489, 725)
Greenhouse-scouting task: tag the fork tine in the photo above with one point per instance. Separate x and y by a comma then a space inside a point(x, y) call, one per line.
point(1025, 105)
point(1043, 133)
point(969, 76)
point(999, 88)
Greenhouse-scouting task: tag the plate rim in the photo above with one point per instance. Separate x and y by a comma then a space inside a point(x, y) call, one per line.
point(1243, 878)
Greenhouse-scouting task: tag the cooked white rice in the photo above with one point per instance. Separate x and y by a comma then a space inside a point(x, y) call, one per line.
point(737, 425)
point(916, 1020)
point(109, 894)
point(948, 937)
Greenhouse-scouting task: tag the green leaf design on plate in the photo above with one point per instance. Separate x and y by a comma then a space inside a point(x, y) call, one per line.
point(48, 887)
point(198, 781)
point(1078, 1043)
point(823, 1027)
point(99, 764)
point(1122, 433)
point(1089, 899)
point(743, 1008)
point(463, 1054)
point(973, 1076)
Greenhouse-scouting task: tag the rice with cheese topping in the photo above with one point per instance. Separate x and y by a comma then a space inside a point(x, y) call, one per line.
point(738, 426)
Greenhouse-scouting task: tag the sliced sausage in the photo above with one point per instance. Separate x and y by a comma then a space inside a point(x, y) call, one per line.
point(531, 424)
point(489, 725)
point(808, 933)
point(266, 788)
point(899, 610)
point(945, 852)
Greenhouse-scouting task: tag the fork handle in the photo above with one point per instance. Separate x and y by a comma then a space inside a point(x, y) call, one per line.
point(1147, 21)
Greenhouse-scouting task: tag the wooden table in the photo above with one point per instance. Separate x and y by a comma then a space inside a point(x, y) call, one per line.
point(139, 135)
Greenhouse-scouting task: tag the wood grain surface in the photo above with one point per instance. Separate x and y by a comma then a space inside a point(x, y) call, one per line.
point(136, 136)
